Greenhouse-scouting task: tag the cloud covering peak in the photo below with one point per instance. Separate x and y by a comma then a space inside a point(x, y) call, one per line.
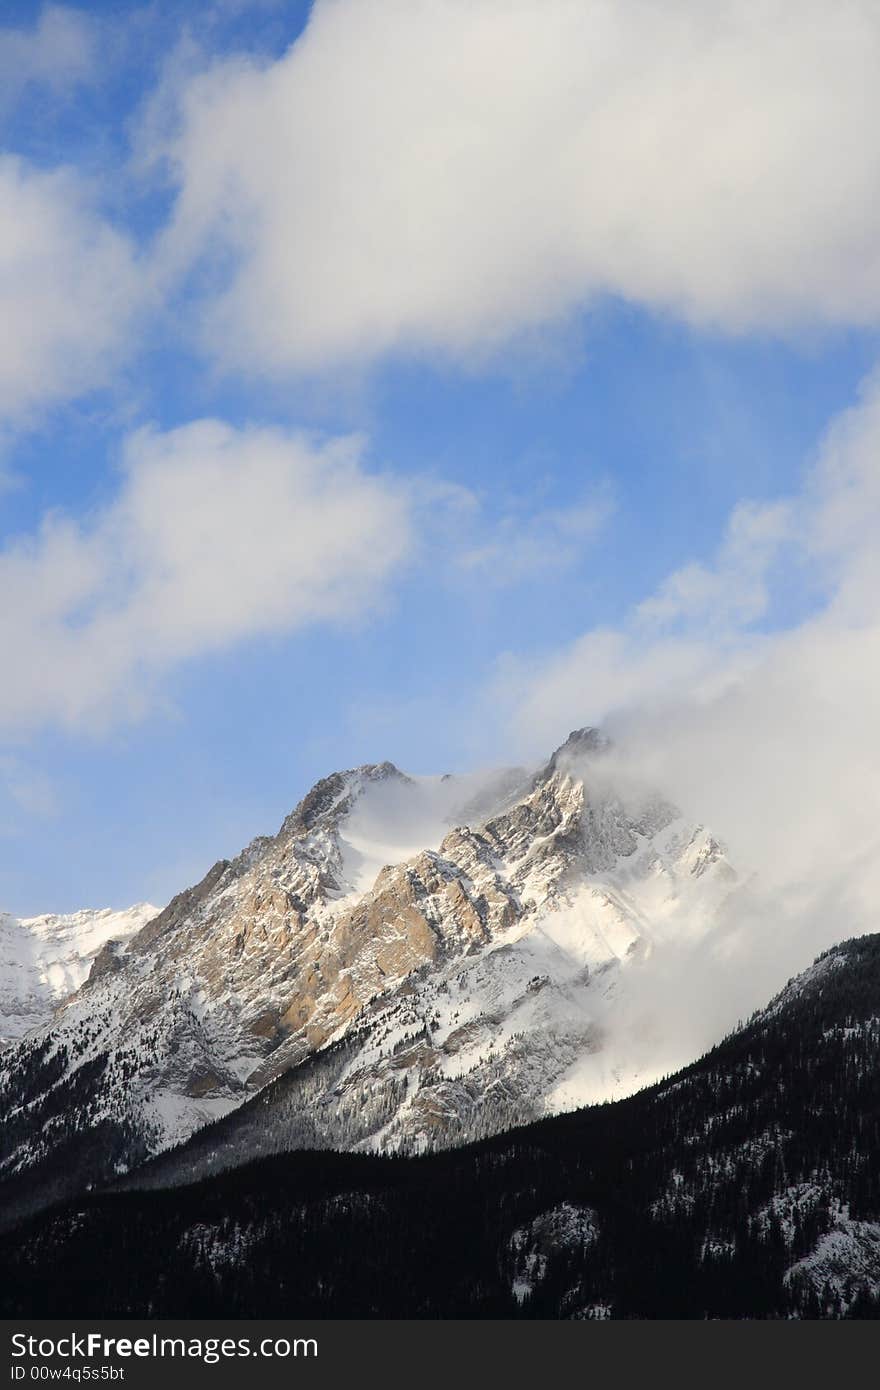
point(759, 723)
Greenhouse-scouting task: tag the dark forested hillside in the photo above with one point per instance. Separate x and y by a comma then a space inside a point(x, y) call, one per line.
point(746, 1186)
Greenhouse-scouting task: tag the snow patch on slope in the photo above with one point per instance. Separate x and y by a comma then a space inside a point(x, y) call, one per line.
point(845, 1262)
point(566, 1228)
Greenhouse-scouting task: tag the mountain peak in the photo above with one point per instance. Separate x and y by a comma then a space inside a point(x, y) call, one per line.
point(580, 743)
point(333, 796)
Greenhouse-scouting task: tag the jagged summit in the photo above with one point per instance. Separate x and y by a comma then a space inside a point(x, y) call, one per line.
point(334, 796)
point(323, 807)
point(581, 743)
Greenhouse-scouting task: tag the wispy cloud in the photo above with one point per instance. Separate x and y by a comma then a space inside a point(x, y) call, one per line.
point(59, 51)
point(529, 542)
point(26, 793)
point(734, 590)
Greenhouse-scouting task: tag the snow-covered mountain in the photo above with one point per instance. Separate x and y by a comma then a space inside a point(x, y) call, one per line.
point(408, 963)
point(43, 960)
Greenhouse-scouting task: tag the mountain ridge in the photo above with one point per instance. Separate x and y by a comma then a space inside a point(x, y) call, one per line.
point(473, 978)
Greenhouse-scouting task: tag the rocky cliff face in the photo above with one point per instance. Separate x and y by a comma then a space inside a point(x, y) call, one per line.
point(365, 993)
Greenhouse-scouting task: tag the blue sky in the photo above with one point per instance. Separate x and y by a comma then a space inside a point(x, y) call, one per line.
point(556, 408)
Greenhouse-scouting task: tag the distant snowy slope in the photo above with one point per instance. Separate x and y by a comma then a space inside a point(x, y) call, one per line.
point(43, 960)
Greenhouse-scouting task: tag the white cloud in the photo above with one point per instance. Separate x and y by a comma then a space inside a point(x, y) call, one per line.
point(69, 287)
point(70, 283)
point(447, 174)
point(58, 51)
point(215, 535)
point(734, 589)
